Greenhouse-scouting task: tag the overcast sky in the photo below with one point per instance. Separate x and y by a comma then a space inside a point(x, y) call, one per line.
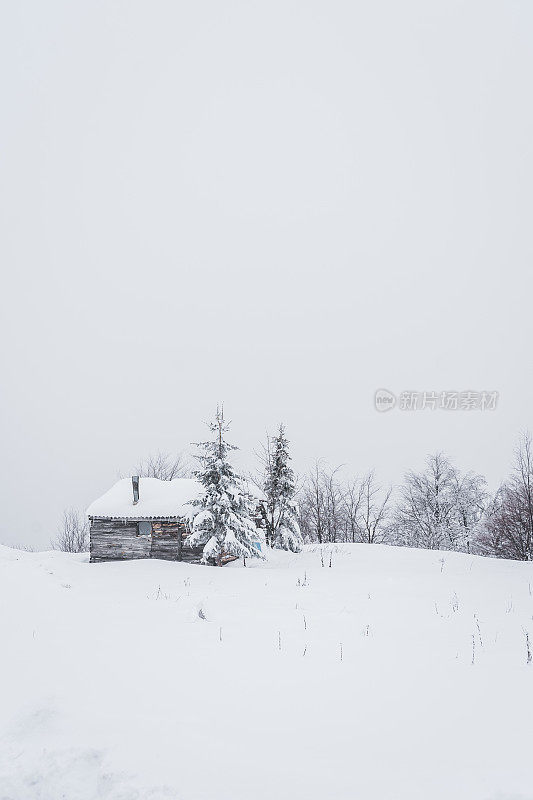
point(280, 205)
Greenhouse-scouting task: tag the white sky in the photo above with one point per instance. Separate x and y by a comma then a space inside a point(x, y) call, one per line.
point(281, 205)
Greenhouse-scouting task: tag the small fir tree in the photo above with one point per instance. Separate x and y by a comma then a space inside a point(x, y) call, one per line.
point(222, 519)
point(280, 512)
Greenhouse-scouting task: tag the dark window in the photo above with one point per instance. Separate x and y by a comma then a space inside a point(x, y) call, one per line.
point(144, 528)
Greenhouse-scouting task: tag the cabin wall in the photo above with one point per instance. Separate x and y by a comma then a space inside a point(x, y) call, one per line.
point(166, 540)
point(193, 555)
point(114, 540)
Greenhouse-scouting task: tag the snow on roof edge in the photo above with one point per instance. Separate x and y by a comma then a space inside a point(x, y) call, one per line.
point(157, 499)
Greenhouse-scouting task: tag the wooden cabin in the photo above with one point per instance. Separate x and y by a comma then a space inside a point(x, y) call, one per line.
point(145, 518)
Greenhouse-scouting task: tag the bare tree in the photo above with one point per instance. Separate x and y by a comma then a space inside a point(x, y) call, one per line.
point(489, 539)
point(522, 485)
point(73, 535)
point(163, 466)
point(352, 502)
point(312, 505)
point(333, 500)
point(507, 530)
point(335, 511)
point(374, 510)
point(425, 512)
point(471, 500)
point(439, 508)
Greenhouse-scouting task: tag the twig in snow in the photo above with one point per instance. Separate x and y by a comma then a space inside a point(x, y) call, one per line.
point(473, 649)
point(478, 630)
point(341, 651)
point(529, 657)
point(279, 640)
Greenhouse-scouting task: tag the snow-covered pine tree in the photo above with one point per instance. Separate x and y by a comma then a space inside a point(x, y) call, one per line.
point(222, 519)
point(280, 512)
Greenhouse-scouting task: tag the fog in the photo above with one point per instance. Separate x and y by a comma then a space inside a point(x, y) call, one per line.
point(280, 206)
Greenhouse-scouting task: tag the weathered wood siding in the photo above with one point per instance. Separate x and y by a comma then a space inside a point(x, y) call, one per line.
point(166, 540)
point(115, 540)
point(191, 554)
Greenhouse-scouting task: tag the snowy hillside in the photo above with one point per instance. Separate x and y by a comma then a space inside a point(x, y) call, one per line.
point(163, 680)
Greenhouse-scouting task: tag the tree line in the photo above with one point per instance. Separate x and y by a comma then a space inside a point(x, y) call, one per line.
point(437, 508)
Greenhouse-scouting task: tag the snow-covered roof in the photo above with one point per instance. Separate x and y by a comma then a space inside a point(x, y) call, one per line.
point(157, 499)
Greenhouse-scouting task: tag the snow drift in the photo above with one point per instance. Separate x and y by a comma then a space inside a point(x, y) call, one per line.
point(393, 674)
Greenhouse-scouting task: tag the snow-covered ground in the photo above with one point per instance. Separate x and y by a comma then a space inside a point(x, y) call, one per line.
point(160, 680)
